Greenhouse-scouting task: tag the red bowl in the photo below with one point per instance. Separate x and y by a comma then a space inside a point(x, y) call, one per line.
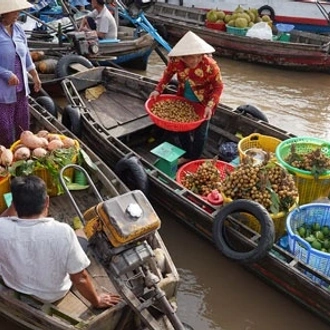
point(192, 167)
point(172, 125)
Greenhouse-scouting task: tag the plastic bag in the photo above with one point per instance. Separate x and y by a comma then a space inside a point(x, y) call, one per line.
point(260, 30)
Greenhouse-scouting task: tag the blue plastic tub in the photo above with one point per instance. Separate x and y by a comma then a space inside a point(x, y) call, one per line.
point(309, 214)
point(284, 28)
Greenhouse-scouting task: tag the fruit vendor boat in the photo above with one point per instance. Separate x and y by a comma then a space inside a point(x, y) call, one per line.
point(296, 50)
point(135, 264)
point(54, 29)
point(306, 15)
point(107, 110)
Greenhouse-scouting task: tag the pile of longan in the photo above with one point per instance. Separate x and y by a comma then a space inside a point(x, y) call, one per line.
point(175, 110)
point(268, 184)
point(314, 161)
point(206, 178)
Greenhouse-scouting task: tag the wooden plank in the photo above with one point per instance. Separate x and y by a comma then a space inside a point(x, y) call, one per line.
point(78, 67)
point(73, 307)
point(119, 115)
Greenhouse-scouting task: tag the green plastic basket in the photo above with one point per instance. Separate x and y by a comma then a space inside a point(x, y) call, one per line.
point(235, 30)
point(309, 187)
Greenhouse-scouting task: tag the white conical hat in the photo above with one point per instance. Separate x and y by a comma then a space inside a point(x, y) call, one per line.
point(191, 44)
point(7, 6)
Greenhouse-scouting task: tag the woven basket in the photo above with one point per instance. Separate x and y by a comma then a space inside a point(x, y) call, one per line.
point(279, 219)
point(256, 140)
point(309, 187)
point(308, 215)
point(42, 173)
point(237, 31)
point(4, 188)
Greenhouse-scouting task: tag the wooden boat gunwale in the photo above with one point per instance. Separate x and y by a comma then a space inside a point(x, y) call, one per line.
point(32, 313)
point(279, 268)
point(305, 51)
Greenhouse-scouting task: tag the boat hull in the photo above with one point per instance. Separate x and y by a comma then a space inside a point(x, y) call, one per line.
point(305, 15)
point(134, 134)
point(304, 52)
point(73, 311)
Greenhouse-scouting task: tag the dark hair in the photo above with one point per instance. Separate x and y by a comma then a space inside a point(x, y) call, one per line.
point(29, 195)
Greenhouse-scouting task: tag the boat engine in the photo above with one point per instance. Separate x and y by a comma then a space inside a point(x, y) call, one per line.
point(85, 43)
point(120, 233)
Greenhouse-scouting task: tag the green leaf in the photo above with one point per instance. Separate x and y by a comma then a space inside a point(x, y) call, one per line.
point(84, 158)
point(76, 186)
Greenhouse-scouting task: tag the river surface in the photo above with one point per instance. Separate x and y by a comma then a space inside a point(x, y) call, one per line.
point(216, 293)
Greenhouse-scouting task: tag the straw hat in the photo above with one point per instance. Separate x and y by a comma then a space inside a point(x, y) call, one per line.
point(191, 44)
point(7, 6)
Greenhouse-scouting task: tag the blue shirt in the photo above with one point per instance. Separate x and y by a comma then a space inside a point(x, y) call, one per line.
point(10, 46)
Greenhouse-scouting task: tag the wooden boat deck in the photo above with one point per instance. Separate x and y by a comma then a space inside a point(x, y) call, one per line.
point(74, 311)
point(279, 268)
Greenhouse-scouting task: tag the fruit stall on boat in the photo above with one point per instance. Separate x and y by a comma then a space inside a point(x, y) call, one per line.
point(306, 15)
point(287, 48)
point(133, 262)
point(107, 110)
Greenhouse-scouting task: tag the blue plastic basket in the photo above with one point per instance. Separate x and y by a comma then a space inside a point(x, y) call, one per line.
point(284, 28)
point(309, 214)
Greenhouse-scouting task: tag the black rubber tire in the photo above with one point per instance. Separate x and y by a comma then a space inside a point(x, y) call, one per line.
point(71, 119)
point(267, 233)
point(63, 65)
point(264, 10)
point(47, 103)
point(253, 111)
point(130, 170)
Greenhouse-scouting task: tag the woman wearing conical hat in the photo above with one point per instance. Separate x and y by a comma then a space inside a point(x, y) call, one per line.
point(15, 63)
point(199, 80)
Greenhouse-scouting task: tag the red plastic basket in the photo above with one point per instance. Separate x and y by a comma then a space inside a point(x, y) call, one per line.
point(192, 167)
point(216, 26)
point(172, 125)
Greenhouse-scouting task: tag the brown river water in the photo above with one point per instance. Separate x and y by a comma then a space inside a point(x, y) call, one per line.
point(216, 293)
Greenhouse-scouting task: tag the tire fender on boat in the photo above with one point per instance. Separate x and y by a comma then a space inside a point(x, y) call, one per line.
point(267, 10)
point(131, 171)
point(48, 103)
point(267, 231)
point(253, 111)
point(63, 65)
point(71, 119)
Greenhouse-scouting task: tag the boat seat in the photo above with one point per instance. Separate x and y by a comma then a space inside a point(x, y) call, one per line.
point(70, 308)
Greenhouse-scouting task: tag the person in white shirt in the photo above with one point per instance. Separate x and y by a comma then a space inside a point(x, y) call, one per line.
point(39, 255)
point(100, 20)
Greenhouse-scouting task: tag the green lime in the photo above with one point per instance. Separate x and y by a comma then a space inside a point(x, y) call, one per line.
point(302, 231)
point(326, 244)
point(325, 230)
point(310, 238)
point(319, 235)
point(316, 245)
point(316, 226)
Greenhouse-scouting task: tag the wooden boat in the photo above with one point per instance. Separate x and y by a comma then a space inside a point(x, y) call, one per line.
point(306, 15)
point(140, 308)
point(131, 49)
point(303, 51)
point(115, 124)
